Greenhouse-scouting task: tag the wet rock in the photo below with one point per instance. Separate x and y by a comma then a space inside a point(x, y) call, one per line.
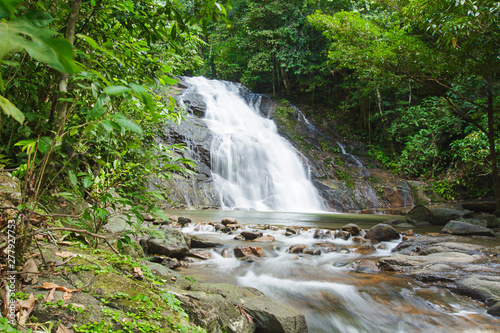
point(441, 216)
point(170, 263)
point(239, 237)
point(203, 255)
point(366, 248)
point(271, 316)
point(248, 251)
point(174, 244)
point(426, 245)
point(312, 252)
point(298, 248)
point(183, 221)
point(352, 228)
point(229, 220)
point(251, 235)
point(366, 266)
point(418, 214)
point(403, 263)
point(483, 288)
point(291, 231)
point(382, 247)
point(408, 233)
point(359, 239)
point(328, 247)
point(466, 229)
point(381, 233)
point(265, 238)
point(343, 234)
point(319, 233)
point(222, 228)
point(480, 206)
point(200, 243)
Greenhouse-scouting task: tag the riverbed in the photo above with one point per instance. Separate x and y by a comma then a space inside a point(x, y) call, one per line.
point(330, 289)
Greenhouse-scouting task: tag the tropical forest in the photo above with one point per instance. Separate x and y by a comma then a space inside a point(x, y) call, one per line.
point(239, 166)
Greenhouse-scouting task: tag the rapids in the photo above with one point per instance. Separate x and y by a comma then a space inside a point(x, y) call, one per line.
point(328, 289)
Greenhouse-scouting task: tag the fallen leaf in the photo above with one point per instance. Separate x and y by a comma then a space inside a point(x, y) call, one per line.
point(29, 303)
point(50, 285)
point(67, 295)
point(65, 254)
point(50, 295)
point(29, 272)
point(138, 271)
point(63, 329)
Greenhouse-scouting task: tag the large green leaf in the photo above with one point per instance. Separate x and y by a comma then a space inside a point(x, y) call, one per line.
point(22, 33)
point(11, 110)
point(115, 90)
point(127, 123)
point(7, 7)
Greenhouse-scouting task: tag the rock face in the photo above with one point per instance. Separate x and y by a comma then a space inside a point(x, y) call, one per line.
point(382, 232)
point(466, 229)
point(441, 216)
point(419, 214)
point(466, 268)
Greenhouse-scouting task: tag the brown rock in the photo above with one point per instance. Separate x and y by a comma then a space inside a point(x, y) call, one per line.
point(382, 232)
point(298, 248)
point(229, 220)
point(265, 238)
point(366, 248)
point(247, 251)
point(352, 228)
point(251, 235)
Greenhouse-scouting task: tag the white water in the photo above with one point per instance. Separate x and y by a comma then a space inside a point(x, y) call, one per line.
point(253, 167)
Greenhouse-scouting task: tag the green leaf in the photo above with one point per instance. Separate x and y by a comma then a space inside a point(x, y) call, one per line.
point(115, 90)
point(21, 34)
point(44, 144)
point(127, 123)
point(110, 125)
point(38, 18)
point(11, 110)
point(72, 177)
point(87, 182)
point(7, 7)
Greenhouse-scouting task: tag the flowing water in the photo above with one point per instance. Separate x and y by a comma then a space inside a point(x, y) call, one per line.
point(328, 289)
point(253, 167)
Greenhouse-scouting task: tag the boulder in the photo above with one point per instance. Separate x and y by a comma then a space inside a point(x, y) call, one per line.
point(343, 234)
point(312, 252)
point(298, 248)
point(441, 216)
point(480, 206)
point(483, 288)
point(319, 233)
point(229, 220)
point(248, 251)
point(273, 317)
point(183, 220)
point(366, 266)
point(200, 243)
point(251, 235)
point(352, 228)
point(381, 232)
point(328, 247)
point(366, 248)
point(404, 263)
point(265, 238)
point(174, 244)
point(466, 229)
point(419, 214)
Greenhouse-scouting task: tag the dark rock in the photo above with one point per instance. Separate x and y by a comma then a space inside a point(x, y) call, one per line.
point(291, 231)
point(298, 248)
point(394, 221)
point(328, 247)
point(273, 317)
point(174, 245)
point(382, 232)
point(466, 229)
point(200, 243)
point(203, 255)
point(419, 213)
point(229, 220)
point(183, 221)
point(343, 235)
point(441, 216)
point(251, 235)
point(426, 245)
point(366, 266)
point(480, 206)
point(352, 228)
point(318, 233)
point(170, 263)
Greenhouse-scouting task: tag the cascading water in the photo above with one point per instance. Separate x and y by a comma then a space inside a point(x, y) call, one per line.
point(253, 167)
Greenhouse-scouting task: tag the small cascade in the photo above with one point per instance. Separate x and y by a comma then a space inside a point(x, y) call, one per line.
point(351, 157)
point(253, 167)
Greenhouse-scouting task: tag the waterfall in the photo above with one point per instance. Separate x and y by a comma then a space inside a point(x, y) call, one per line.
point(253, 167)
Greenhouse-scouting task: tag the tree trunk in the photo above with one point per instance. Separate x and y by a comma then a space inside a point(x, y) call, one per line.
point(62, 106)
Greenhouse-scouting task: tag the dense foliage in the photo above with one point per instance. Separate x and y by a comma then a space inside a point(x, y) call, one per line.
point(416, 80)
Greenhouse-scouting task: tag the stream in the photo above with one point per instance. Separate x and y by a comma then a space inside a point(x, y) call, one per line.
point(327, 288)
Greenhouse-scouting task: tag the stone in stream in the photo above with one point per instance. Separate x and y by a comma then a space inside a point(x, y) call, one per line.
point(183, 221)
point(366, 266)
point(441, 216)
point(381, 233)
point(352, 228)
point(483, 288)
point(297, 248)
point(200, 243)
point(248, 251)
point(466, 229)
point(366, 248)
point(343, 234)
point(229, 220)
point(328, 247)
point(312, 252)
point(419, 214)
point(251, 235)
point(264, 238)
